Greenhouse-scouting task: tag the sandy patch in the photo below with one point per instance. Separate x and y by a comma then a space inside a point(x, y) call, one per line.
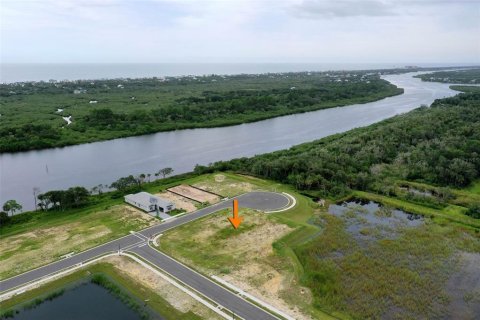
point(254, 266)
point(174, 296)
point(219, 178)
point(258, 274)
point(195, 194)
point(180, 202)
point(225, 187)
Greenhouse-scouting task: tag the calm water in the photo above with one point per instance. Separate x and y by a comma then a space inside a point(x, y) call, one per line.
point(385, 222)
point(11, 72)
point(86, 302)
point(103, 162)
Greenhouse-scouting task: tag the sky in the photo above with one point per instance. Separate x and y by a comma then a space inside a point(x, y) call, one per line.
point(310, 31)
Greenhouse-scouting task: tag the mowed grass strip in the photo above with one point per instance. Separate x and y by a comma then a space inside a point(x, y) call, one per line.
point(157, 294)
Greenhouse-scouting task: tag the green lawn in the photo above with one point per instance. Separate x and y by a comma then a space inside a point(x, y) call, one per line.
point(41, 241)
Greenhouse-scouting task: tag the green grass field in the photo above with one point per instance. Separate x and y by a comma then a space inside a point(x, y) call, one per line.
point(24, 247)
point(320, 267)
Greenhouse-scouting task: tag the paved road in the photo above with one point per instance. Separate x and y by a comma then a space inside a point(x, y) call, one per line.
point(255, 200)
point(203, 285)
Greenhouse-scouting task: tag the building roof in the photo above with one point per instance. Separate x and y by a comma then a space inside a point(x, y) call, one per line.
point(147, 198)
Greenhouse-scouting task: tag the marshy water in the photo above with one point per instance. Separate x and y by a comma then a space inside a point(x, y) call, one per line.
point(84, 302)
point(369, 220)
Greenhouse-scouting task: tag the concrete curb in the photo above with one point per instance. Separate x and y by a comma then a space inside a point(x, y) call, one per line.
point(41, 281)
point(242, 293)
point(178, 286)
point(293, 203)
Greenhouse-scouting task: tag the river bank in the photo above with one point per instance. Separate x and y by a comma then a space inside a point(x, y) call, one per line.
point(103, 162)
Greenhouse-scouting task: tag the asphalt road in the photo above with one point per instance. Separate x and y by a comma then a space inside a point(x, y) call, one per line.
point(256, 200)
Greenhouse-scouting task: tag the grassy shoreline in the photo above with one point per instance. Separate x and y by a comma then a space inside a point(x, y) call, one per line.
point(123, 287)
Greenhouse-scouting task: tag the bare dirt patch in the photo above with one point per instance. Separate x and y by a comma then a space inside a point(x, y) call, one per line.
point(225, 186)
point(174, 296)
point(195, 194)
point(219, 178)
point(252, 266)
point(180, 202)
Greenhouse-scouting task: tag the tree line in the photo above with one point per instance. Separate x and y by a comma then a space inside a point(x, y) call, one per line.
point(77, 197)
point(224, 103)
point(439, 145)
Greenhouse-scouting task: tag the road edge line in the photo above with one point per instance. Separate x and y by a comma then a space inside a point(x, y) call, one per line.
point(241, 292)
point(31, 285)
point(218, 283)
point(183, 287)
point(293, 203)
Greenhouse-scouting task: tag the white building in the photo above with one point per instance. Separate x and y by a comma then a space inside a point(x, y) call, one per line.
point(148, 202)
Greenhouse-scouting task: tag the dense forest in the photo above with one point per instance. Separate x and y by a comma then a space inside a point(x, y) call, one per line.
point(33, 114)
point(438, 145)
point(471, 76)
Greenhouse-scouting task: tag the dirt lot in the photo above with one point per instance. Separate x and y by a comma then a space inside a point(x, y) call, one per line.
point(225, 185)
point(24, 251)
point(174, 296)
point(195, 194)
point(252, 266)
point(180, 202)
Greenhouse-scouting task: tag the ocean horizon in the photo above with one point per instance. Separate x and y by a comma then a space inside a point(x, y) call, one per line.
point(23, 72)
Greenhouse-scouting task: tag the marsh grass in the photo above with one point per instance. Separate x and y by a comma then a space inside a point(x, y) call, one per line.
point(404, 276)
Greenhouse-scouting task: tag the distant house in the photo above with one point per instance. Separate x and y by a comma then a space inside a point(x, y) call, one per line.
point(79, 91)
point(148, 202)
point(93, 101)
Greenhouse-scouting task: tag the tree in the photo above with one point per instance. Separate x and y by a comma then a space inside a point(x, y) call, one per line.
point(44, 202)
point(164, 172)
point(98, 189)
point(63, 199)
point(4, 218)
point(125, 183)
point(12, 206)
point(74, 197)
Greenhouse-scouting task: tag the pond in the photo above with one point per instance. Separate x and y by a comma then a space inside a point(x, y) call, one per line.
point(84, 302)
point(367, 220)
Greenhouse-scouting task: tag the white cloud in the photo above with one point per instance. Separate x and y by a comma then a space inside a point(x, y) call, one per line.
point(239, 31)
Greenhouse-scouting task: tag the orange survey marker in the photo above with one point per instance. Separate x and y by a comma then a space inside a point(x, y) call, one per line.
point(236, 220)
